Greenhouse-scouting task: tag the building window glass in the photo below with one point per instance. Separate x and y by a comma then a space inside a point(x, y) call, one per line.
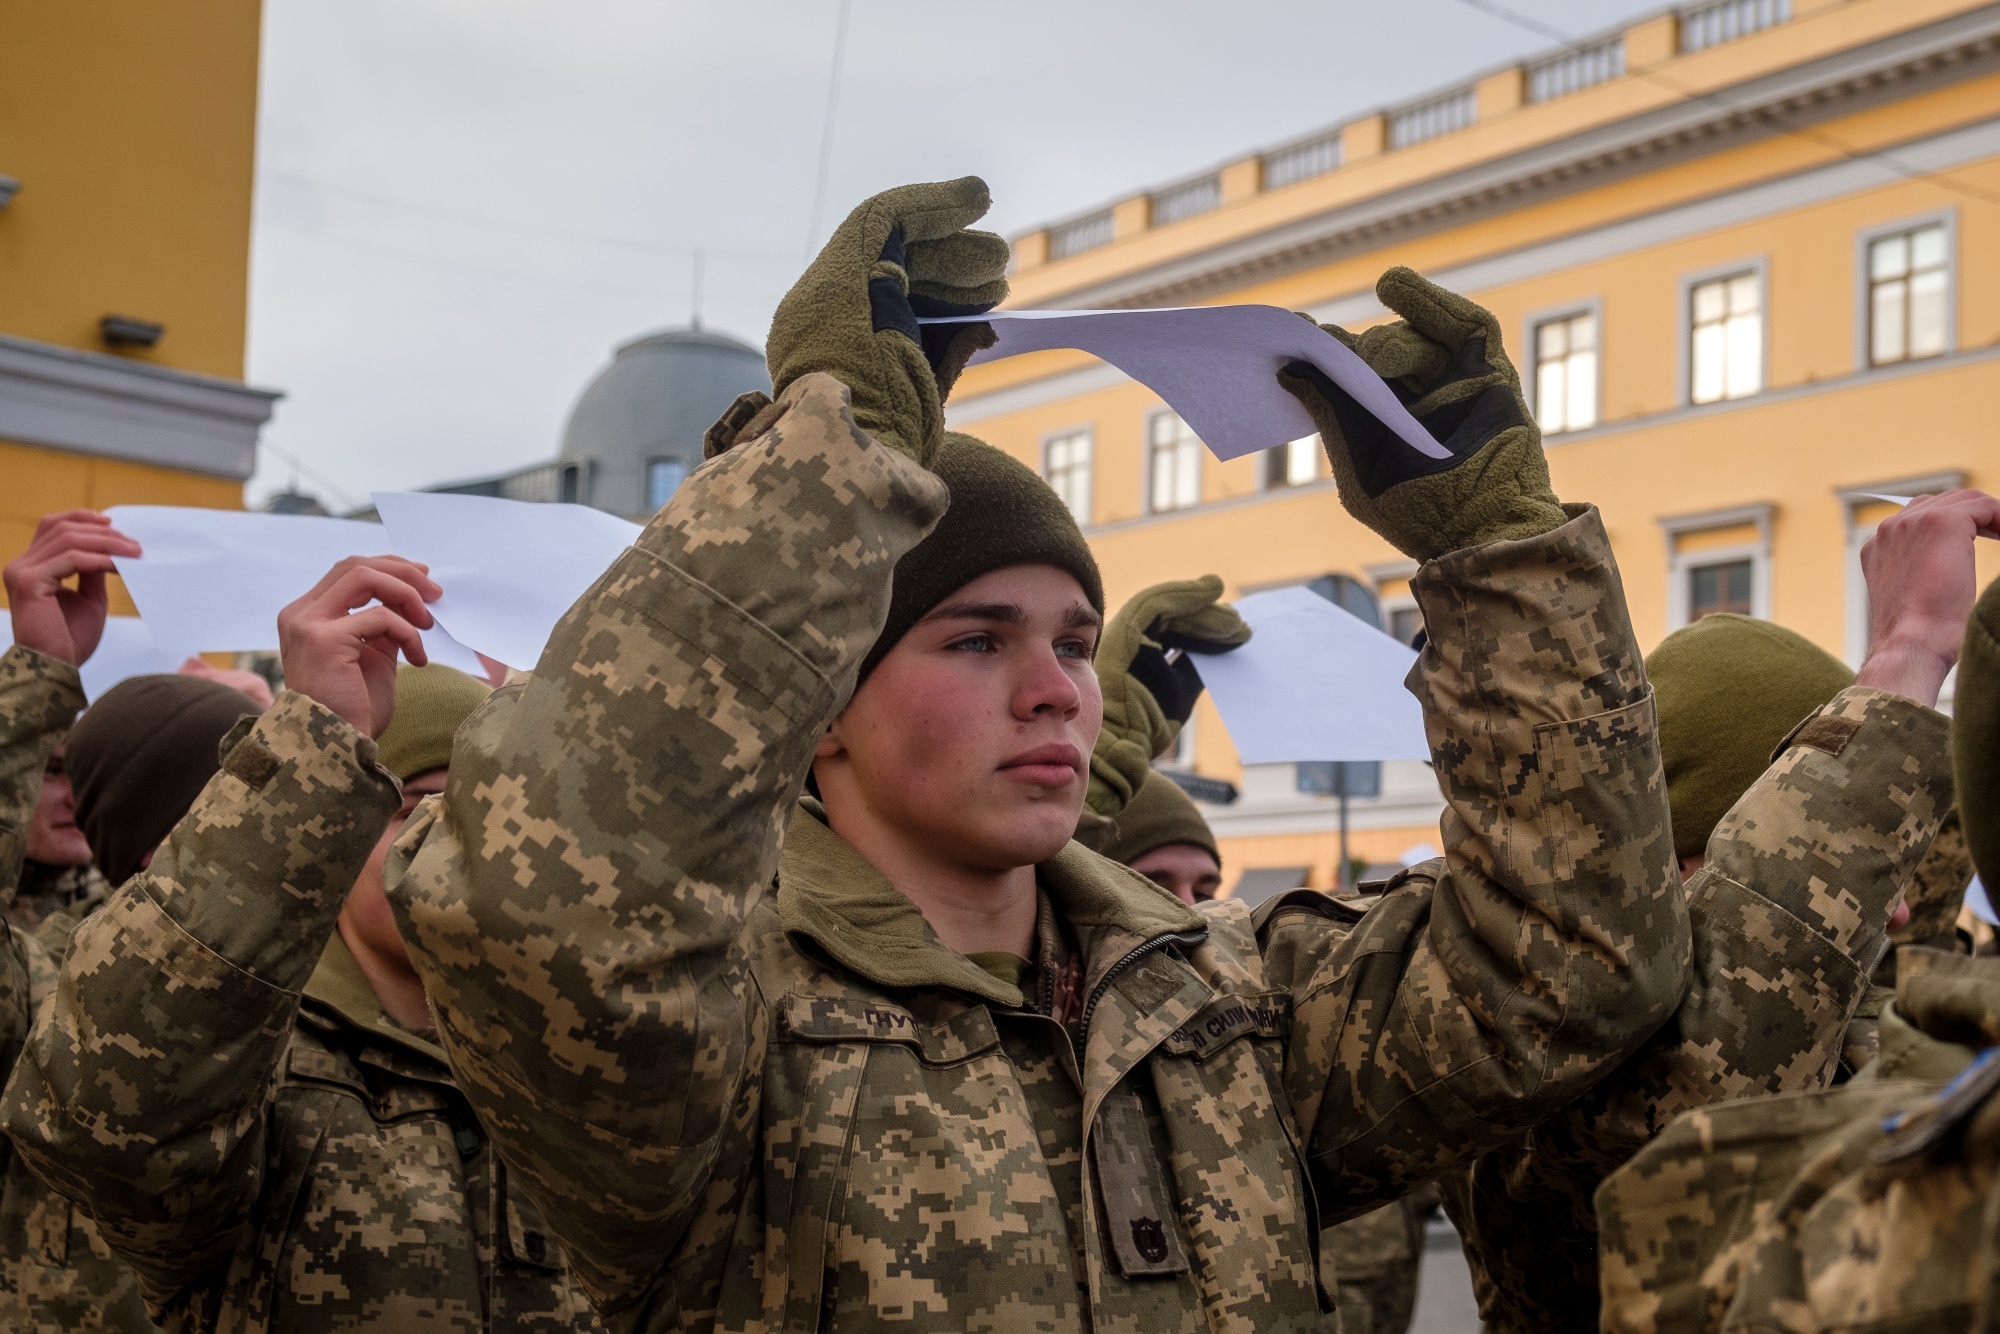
point(1724, 587)
point(1727, 355)
point(1908, 278)
point(663, 478)
point(1066, 465)
point(1566, 373)
point(569, 484)
point(1292, 464)
point(1405, 622)
point(1173, 464)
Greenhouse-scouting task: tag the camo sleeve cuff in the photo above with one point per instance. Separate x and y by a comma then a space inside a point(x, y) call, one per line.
point(260, 866)
point(38, 694)
point(1835, 828)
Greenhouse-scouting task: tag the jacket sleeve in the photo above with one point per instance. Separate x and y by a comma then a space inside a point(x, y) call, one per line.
point(1487, 989)
point(143, 1089)
point(1787, 915)
point(40, 697)
point(575, 900)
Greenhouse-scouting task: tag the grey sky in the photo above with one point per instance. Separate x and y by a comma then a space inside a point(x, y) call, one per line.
point(463, 205)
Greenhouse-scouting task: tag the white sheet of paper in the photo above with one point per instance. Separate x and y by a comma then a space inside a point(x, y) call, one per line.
point(214, 581)
point(1977, 899)
point(1893, 500)
point(1314, 683)
point(127, 649)
point(1214, 365)
point(509, 568)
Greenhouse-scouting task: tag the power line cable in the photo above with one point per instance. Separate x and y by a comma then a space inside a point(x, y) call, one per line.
point(1880, 156)
point(826, 128)
point(299, 465)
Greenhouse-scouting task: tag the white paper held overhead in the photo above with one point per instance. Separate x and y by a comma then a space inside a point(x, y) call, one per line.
point(1217, 366)
point(509, 568)
point(1314, 683)
point(214, 581)
point(125, 650)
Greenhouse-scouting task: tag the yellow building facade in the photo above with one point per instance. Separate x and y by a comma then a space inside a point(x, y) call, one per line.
point(127, 156)
point(1747, 258)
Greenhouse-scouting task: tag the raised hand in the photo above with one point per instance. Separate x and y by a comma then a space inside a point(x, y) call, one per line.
point(339, 641)
point(1921, 586)
point(49, 616)
point(853, 313)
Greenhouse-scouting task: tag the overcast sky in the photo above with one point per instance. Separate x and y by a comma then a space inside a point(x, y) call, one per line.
point(464, 205)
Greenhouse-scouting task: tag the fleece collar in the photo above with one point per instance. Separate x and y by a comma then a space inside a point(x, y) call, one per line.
point(339, 985)
point(831, 895)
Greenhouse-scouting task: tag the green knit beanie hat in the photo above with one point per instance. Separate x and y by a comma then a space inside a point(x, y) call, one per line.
point(1159, 815)
point(430, 704)
point(1975, 736)
point(1001, 514)
point(1729, 689)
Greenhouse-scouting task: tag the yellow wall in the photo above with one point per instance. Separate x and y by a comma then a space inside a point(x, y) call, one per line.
point(1823, 423)
point(132, 127)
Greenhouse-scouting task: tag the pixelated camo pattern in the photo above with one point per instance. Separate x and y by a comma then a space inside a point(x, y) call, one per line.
point(1870, 1207)
point(1788, 915)
point(56, 1273)
point(732, 1122)
point(260, 1166)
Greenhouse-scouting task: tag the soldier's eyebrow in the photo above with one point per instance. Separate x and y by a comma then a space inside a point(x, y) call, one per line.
point(1082, 616)
point(1001, 613)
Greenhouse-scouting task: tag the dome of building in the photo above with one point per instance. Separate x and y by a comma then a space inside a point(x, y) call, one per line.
point(636, 431)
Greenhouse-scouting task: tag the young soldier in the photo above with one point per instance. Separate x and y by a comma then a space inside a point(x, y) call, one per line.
point(235, 1077)
point(1804, 796)
point(903, 1055)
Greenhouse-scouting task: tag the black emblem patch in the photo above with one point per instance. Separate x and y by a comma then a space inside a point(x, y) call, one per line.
point(1149, 1235)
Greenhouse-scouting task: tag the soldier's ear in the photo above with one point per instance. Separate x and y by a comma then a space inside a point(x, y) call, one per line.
point(830, 746)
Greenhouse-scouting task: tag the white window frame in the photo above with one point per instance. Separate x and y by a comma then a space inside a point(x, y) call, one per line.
point(1758, 266)
point(1853, 499)
point(1146, 470)
point(1681, 564)
point(1391, 572)
point(1307, 444)
point(1089, 433)
point(1532, 381)
point(1864, 313)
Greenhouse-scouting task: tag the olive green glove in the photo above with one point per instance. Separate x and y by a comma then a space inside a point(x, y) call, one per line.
point(853, 313)
point(1146, 697)
point(1443, 359)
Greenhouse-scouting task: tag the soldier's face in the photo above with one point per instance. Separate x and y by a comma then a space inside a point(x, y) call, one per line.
point(971, 740)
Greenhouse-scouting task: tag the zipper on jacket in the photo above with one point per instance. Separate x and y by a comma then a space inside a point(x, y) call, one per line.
point(1111, 975)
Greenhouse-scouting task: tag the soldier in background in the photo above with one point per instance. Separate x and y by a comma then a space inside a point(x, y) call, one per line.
point(236, 1076)
point(1875, 1205)
point(1804, 797)
point(906, 1055)
point(56, 1274)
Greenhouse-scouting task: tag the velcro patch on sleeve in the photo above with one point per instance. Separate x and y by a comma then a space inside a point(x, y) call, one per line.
point(252, 761)
point(1828, 732)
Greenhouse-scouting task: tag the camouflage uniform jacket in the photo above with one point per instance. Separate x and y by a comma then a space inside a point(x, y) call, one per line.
point(261, 1161)
point(56, 1273)
point(1865, 1209)
point(1789, 915)
point(748, 1087)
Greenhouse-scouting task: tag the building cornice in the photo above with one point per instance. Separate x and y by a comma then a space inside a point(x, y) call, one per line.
point(1836, 85)
point(117, 408)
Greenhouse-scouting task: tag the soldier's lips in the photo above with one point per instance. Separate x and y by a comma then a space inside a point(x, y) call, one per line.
point(1046, 766)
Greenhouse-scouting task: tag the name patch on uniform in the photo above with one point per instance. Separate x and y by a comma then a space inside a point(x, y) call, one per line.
point(1223, 1021)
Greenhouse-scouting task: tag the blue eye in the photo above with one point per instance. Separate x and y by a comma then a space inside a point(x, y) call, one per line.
point(972, 644)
